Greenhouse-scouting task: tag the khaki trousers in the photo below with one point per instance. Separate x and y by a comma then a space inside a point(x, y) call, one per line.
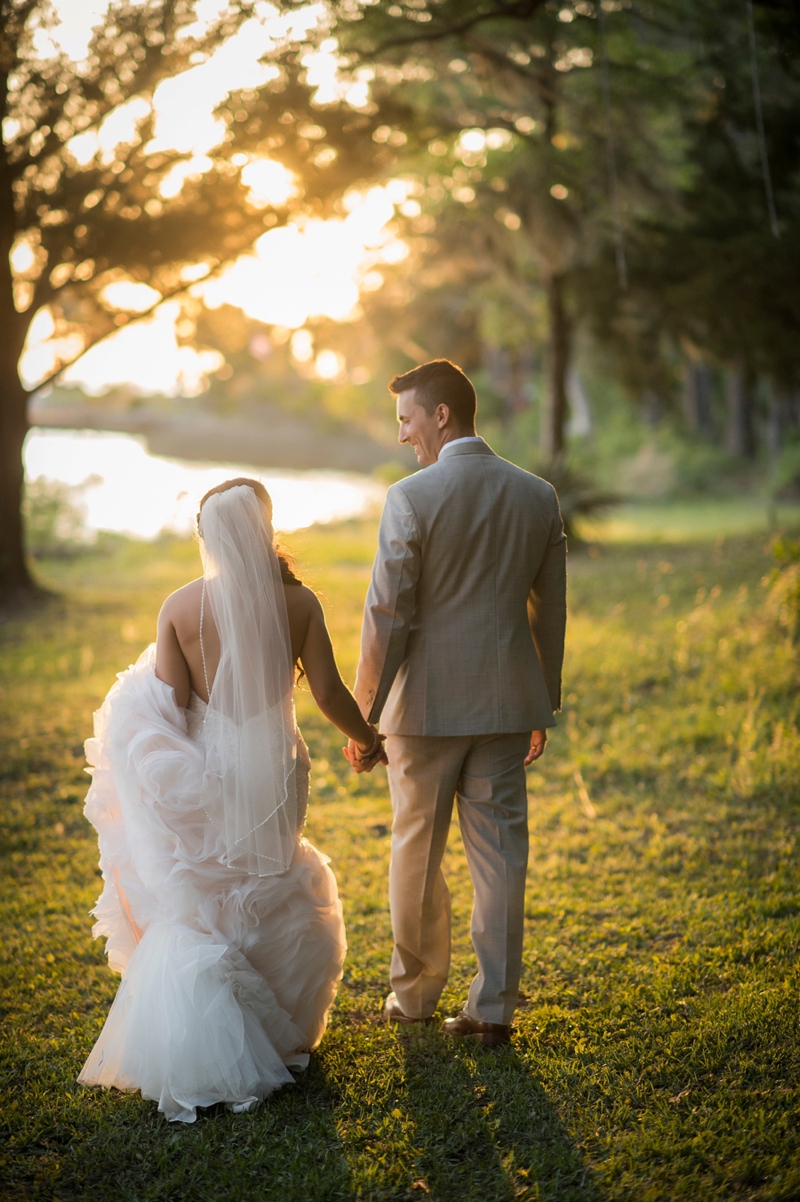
point(486, 777)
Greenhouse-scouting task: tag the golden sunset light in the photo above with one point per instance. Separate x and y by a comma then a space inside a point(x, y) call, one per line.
point(300, 271)
point(306, 269)
point(400, 599)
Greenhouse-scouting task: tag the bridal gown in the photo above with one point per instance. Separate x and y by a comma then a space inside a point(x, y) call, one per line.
point(227, 978)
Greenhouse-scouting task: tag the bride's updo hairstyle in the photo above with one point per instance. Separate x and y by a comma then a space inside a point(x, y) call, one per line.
point(286, 564)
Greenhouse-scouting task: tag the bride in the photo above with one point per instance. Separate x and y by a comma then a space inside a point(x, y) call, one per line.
point(223, 921)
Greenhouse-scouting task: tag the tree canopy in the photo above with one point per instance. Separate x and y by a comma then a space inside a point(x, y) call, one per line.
point(130, 210)
point(635, 188)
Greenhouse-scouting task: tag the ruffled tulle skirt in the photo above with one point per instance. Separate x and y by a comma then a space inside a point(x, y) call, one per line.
point(227, 978)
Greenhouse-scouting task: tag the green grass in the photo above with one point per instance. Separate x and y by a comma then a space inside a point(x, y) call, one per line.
point(656, 1052)
point(700, 519)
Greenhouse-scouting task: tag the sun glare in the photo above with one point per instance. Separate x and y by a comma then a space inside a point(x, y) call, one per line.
point(130, 297)
point(329, 365)
point(295, 273)
point(307, 269)
point(173, 181)
point(314, 270)
point(269, 183)
point(146, 355)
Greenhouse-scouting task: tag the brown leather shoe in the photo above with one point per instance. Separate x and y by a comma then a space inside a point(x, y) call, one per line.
point(491, 1034)
point(393, 1014)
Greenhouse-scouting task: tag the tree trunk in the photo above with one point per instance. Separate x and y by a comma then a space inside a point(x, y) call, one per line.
point(13, 428)
point(652, 409)
point(13, 397)
point(779, 418)
point(580, 410)
point(554, 412)
point(698, 399)
point(740, 436)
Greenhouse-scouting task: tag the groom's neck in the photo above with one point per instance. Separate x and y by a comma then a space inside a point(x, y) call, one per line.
point(450, 435)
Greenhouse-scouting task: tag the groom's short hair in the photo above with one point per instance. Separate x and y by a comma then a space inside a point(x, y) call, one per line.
point(440, 382)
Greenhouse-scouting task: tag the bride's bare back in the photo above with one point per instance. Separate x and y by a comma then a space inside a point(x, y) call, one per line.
point(179, 661)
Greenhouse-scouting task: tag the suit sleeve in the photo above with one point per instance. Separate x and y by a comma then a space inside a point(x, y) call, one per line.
point(390, 603)
point(547, 608)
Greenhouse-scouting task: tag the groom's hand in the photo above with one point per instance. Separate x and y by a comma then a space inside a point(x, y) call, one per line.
point(538, 740)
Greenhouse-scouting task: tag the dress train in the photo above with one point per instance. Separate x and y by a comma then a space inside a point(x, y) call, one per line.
point(227, 978)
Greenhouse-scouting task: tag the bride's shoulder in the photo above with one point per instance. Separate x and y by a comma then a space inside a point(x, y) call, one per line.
point(183, 602)
point(304, 612)
point(300, 599)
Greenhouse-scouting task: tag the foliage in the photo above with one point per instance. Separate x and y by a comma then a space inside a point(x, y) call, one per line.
point(75, 225)
point(786, 471)
point(655, 1053)
point(54, 517)
point(784, 581)
point(515, 187)
point(716, 281)
point(707, 282)
point(578, 495)
point(139, 212)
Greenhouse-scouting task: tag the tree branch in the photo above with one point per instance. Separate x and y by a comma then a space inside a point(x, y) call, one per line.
point(131, 319)
point(518, 11)
point(533, 75)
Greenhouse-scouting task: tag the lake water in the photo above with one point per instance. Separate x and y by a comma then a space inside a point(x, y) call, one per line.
point(129, 491)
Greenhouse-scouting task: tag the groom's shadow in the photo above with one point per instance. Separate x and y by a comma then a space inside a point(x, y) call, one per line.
point(485, 1128)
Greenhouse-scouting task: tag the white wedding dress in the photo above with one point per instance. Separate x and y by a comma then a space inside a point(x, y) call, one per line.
point(227, 976)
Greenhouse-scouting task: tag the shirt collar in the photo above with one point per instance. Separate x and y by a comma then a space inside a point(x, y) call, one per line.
point(454, 442)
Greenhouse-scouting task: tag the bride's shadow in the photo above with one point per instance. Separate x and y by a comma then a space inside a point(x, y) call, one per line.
point(288, 1150)
point(294, 1139)
point(485, 1128)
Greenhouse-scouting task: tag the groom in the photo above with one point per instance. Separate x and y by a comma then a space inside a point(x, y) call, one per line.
point(461, 657)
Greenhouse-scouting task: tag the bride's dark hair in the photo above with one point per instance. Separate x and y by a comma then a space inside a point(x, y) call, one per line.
point(284, 559)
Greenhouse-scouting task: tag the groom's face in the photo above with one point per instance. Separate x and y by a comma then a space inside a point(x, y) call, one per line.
point(420, 428)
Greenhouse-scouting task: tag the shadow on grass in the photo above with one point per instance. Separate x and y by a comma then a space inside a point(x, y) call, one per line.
point(119, 1147)
point(485, 1128)
point(22, 604)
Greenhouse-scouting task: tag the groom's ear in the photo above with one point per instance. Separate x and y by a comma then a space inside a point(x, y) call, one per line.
point(442, 415)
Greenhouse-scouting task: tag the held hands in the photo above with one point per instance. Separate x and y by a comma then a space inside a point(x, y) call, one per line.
point(364, 759)
point(538, 740)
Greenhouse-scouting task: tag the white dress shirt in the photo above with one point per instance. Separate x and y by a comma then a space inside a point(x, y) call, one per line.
point(455, 441)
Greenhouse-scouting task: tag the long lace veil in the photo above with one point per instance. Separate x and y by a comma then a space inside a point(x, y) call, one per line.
point(248, 790)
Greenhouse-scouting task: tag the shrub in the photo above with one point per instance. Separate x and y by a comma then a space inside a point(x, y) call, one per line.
point(578, 495)
point(784, 582)
point(55, 517)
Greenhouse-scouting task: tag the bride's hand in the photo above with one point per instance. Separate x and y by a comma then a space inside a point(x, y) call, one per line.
point(361, 762)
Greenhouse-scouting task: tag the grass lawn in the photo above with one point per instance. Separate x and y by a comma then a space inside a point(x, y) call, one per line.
point(700, 519)
point(656, 1051)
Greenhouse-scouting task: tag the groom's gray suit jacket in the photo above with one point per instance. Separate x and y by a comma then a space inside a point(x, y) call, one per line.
point(464, 620)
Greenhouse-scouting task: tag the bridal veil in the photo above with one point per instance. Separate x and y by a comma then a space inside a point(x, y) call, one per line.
point(249, 788)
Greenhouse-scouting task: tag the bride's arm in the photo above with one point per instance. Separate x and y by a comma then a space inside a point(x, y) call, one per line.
point(327, 687)
point(171, 666)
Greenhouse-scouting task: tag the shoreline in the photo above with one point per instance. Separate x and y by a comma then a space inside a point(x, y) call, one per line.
point(277, 440)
